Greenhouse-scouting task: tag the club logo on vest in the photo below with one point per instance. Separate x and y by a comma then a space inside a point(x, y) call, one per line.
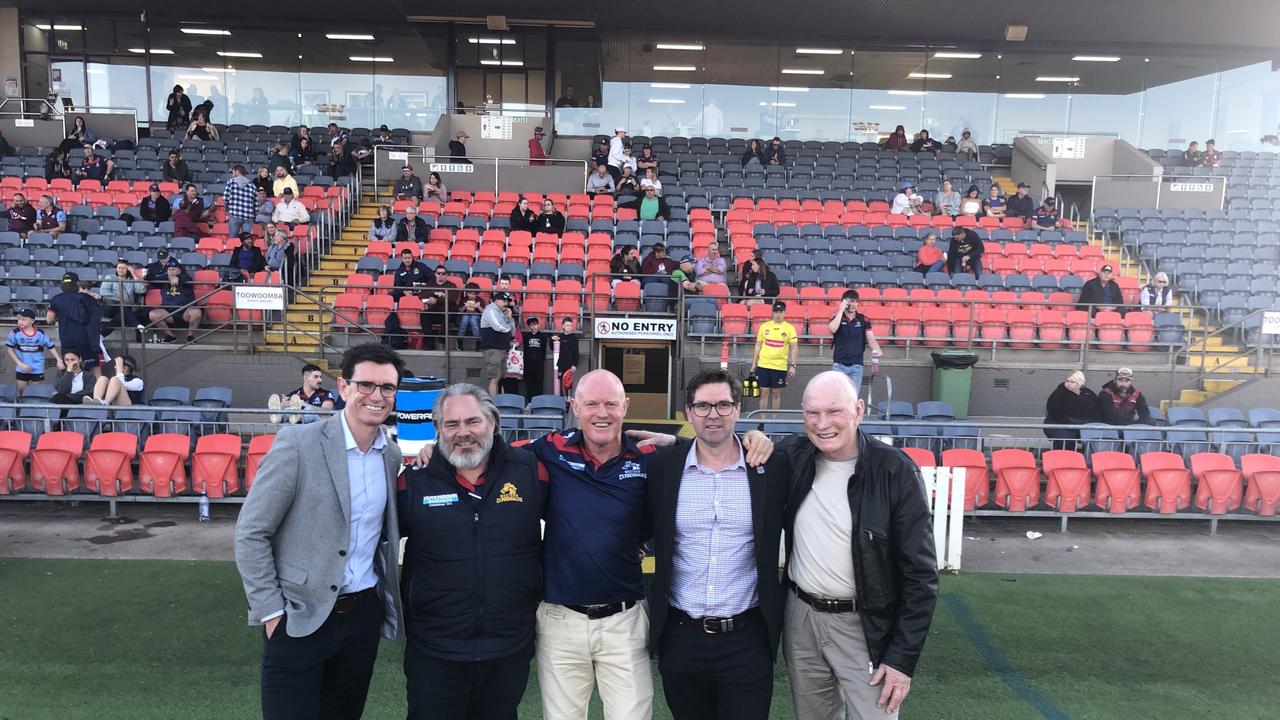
point(509, 494)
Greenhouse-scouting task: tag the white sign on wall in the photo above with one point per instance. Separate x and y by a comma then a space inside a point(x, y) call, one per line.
point(402, 155)
point(1068, 148)
point(495, 127)
point(452, 167)
point(1191, 187)
point(625, 328)
point(259, 297)
point(1271, 323)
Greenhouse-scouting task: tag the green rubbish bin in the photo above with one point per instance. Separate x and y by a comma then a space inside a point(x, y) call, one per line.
point(953, 379)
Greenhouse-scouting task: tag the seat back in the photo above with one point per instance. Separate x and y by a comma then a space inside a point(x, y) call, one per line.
point(921, 456)
point(259, 445)
point(214, 465)
point(108, 466)
point(54, 462)
point(15, 447)
point(162, 466)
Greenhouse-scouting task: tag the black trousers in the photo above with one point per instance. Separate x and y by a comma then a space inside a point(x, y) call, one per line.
point(722, 676)
point(325, 674)
point(455, 690)
point(534, 378)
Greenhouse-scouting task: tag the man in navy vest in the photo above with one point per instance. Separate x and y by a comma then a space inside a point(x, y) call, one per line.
point(852, 334)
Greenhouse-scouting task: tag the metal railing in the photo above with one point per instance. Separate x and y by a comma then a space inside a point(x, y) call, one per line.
point(45, 107)
point(420, 154)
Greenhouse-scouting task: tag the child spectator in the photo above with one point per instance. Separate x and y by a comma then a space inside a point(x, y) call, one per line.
point(27, 346)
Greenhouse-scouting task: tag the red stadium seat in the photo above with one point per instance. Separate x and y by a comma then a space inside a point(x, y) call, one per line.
point(1140, 329)
point(409, 312)
point(626, 296)
point(1017, 479)
point(908, 321)
point(993, 325)
point(346, 307)
point(162, 470)
point(361, 283)
point(566, 307)
point(601, 294)
point(218, 307)
point(108, 466)
point(1168, 482)
point(54, 462)
point(1051, 326)
point(922, 457)
point(376, 309)
point(1077, 326)
point(1068, 486)
point(733, 316)
point(1118, 481)
point(380, 249)
point(936, 326)
point(977, 483)
point(1262, 474)
point(1218, 482)
point(15, 446)
point(1110, 328)
point(538, 289)
point(1022, 328)
point(214, 465)
point(258, 447)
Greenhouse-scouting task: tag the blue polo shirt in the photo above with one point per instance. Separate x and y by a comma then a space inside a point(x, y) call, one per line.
point(851, 340)
point(596, 521)
point(30, 349)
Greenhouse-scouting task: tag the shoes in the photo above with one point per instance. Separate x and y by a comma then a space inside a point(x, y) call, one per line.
point(296, 403)
point(169, 339)
point(273, 403)
point(190, 338)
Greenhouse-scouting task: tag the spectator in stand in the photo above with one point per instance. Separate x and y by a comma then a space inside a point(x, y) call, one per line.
point(175, 169)
point(567, 360)
point(600, 156)
point(247, 259)
point(156, 271)
point(179, 107)
point(240, 201)
point(657, 263)
point(56, 166)
point(1021, 205)
point(774, 359)
point(924, 143)
point(119, 297)
point(906, 202)
point(1120, 403)
point(383, 227)
point(600, 182)
point(27, 346)
point(534, 344)
point(280, 158)
point(295, 142)
point(1071, 403)
point(79, 135)
point(21, 215)
point(191, 217)
point(628, 185)
point(303, 155)
point(437, 291)
point(950, 143)
point(363, 151)
point(628, 161)
point(971, 203)
point(283, 180)
point(897, 140)
point(435, 189)
point(122, 387)
point(412, 228)
point(965, 252)
point(616, 156)
point(711, 267)
point(851, 336)
point(1211, 157)
point(1158, 294)
point(265, 207)
point(177, 307)
point(685, 276)
point(290, 210)
point(337, 134)
point(650, 205)
point(1046, 218)
point(496, 327)
point(523, 218)
point(384, 136)
point(753, 155)
point(282, 256)
point(469, 312)
point(155, 206)
point(567, 100)
point(408, 186)
point(93, 168)
point(75, 382)
point(947, 201)
point(49, 217)
point(625, 264)
point(1101, 293)
point(650, 179)
point(537, 155)
point(930, 258)
point(409, 276)
point(341, 162)
point(310, 395)
point(458, 148)
point(994, 203)
point(79, 317)
point(775, 154)
point(967, 146)
point(201, 128)
point(757, 283)
point(1191, 157)
point(646, 160)
point(551, 220)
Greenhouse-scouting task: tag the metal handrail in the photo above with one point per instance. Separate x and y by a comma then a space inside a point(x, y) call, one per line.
point(49, 107)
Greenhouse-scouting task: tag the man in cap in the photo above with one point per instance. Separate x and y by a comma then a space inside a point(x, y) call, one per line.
point(248, 258)
point(774, 359)
point(686, 277)
point(537, 156)
point(408, 186)
point(79, 318)
point(458, 148)
point(497, 327)
point(1021, 205)
point(616, 156)
point(906, 202)
point(1120, 403)
point(290, 210)
point(1101, 293)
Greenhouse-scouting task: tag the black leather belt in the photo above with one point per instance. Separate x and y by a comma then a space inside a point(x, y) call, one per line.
point(350, 601)
point(826, 605)
point(716, 625)
point(596, 612)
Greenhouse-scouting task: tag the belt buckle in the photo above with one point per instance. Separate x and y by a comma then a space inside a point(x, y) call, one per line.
point(715, 626)
point(830, 605)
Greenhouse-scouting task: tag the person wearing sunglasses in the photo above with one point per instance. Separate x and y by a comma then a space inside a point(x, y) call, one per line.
point(1158, 293)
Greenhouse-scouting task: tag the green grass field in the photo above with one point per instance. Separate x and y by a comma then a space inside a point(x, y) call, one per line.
point(137, 640)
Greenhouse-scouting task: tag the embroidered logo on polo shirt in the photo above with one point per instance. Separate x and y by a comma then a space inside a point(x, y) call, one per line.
point(630, 469)
point(509, 494)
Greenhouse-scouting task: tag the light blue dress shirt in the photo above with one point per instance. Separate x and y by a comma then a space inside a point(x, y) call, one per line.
point(367, 475)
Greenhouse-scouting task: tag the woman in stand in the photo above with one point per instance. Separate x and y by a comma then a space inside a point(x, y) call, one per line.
point(435, 189)
point(1071, 403)
point(179, 107)
point(190, 217)
point(523, 218)
point(758, 283)
point(383, 226)
point(753, 155)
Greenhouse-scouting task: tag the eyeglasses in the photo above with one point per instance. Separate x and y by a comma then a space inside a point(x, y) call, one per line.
point(364, 387)
point(703, 409)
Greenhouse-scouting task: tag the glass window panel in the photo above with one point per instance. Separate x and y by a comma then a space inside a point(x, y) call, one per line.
point(1248, 108)
point(1177, 112)
point(112, 83)
point(67, 80)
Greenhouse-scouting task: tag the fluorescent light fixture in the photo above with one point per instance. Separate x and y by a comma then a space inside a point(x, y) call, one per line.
point(370, 58)
point(491, 41)
point(913, 93)
point(218, 70)
point(957, 55)
point(674, 68)
point(670, 86)
point(666, 101)
point(819, 51)
point(228, 53)
point(680, 46)
point(204, 31)
point(154, 51)
point(1057, 78)
point(887, 107)
point(803, 71)
point(344, 36)
point(929, 75)
point(788, 88)
point(1024, 96)
point(60, 27)
point(206, 78)
point(1014, 32)
point(1096, 58)
point(508, 63)
point(783, 104)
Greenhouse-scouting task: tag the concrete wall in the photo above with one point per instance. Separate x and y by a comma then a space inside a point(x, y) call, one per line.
point(1032, 165)
point(10, 58)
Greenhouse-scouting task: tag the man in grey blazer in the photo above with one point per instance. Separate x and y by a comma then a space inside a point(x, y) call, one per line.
point(317, 544)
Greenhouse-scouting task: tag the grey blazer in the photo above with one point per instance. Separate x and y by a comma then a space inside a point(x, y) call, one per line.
point(295, 527)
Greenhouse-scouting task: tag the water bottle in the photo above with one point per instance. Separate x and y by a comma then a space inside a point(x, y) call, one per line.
point(203, 512)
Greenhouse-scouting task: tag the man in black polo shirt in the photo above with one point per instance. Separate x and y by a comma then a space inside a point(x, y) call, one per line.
point(851, 333)
point(1021, 205)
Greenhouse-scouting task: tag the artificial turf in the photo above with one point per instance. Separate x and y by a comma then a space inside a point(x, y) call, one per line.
point(100, 640)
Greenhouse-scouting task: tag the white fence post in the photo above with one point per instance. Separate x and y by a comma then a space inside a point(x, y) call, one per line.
point(945, 487)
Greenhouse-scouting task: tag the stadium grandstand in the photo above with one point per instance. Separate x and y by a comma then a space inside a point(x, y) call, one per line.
point(207, 206)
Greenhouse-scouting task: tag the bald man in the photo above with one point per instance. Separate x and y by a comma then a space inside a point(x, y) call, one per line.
point(840, 652)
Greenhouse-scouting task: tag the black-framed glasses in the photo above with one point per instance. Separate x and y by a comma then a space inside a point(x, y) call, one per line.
point(364, 387)
point(703, 409)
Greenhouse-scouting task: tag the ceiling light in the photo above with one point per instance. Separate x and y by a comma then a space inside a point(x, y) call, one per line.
point(228, 53)
point(218, 70)
point(1096, 58)
point(1015, 33)
point(204, 31)
point(930, 76)
point(680, 46)
point(368, 58)
point(670, 86)
point(508, 63)
point(60, 27)
point(153, 51)
point(906, 92)
point(666, 101)
point(958, 55)
point(1056, 78)
point(342, 36)
point(803, 71)
point(783, 104)
point(674, 68)
point(206, 78)
point(1024, 96)
point(887, 107)
point(819, 51)
point(491, 41)
point(788, 88)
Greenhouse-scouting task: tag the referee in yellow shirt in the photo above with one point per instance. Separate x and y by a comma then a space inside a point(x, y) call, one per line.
point(774, 361)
